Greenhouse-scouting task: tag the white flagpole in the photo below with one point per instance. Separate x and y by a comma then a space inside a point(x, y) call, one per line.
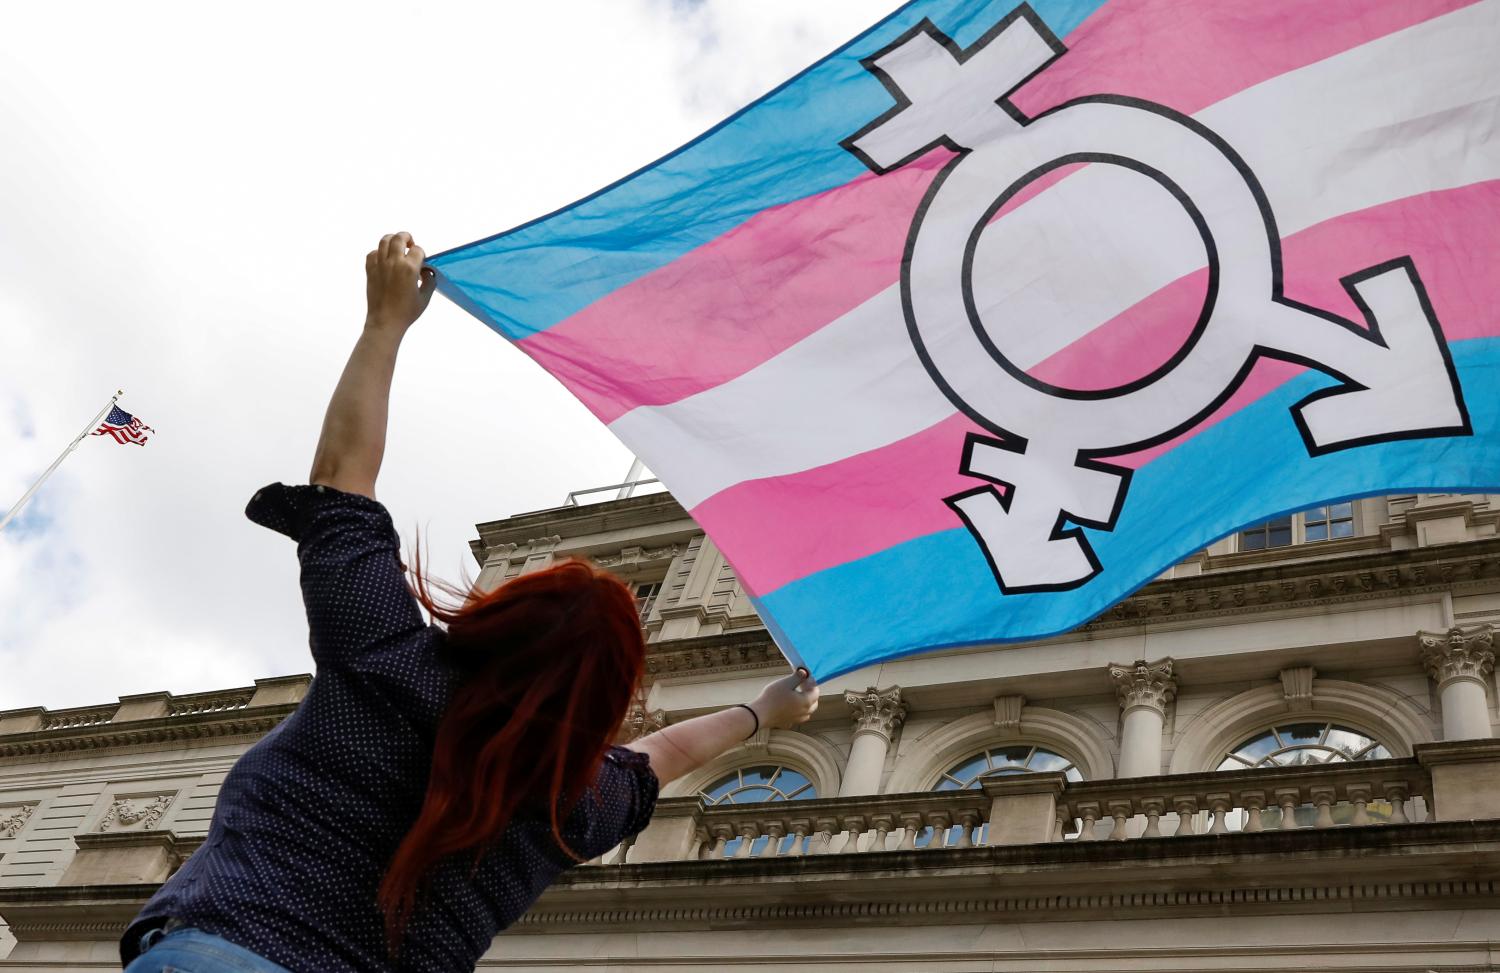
point(93, 424)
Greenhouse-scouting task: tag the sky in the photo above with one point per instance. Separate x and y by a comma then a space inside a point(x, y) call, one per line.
point(187, 192)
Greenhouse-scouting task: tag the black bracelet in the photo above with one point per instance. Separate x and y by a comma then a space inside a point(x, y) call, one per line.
point(754, 715)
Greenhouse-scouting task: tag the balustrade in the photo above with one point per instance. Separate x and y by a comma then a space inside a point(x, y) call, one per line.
point(1271, 799)
point(219, 702)
point(1036, 808)
point(68, 719)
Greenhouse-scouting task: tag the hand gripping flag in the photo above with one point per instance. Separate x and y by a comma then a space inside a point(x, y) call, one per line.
point(979, 323)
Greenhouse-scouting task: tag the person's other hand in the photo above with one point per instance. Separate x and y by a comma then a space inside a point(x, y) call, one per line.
point(787, 701)
point(397, 286)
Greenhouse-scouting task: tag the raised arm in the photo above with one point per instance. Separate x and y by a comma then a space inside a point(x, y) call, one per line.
point(397, 290)
point(684, 747)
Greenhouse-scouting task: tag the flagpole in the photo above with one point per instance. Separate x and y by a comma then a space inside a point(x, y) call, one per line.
point(93, 424)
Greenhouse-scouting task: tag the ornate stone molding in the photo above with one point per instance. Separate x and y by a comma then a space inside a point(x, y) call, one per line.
point(13, 819)
point(1225, 590)
point(258, 721)
point(1148, 684)
point(1008, 714)
point(641, 721)
point(135, 813)
point(632, 556)
point(714, 653)
point(1297, 686)
point(877, 710)
point(1459, 653)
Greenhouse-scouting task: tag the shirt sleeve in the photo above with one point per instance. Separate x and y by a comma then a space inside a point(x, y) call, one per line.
point(619, 805)
point(352, 579)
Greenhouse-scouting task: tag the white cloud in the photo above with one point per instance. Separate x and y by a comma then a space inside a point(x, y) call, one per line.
point(186, 197)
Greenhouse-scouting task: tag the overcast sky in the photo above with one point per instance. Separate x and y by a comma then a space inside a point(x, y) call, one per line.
point(187, 192)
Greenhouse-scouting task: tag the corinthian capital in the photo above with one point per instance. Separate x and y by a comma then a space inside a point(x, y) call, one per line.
point(877, 710)
point(1144, 684)
point(1459, 653)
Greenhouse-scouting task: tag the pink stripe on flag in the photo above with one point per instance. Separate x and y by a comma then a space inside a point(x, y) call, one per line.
point(731, 304)
point(1148, 49)
point(784, 528)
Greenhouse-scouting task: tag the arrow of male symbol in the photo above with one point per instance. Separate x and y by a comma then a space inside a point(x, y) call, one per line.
point(1396, 378)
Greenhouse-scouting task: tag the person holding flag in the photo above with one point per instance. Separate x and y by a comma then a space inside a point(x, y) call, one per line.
point(437, 778)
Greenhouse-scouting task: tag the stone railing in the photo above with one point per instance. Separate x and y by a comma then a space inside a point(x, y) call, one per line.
point(843, 825)
point(1272, 799)
point(1443, 782)
point(198, 704)
point(67, 719)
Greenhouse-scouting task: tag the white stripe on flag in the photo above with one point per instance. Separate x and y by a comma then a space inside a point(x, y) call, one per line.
point(1404, 114)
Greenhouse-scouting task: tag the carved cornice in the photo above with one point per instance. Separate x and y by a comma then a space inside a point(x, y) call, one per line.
point(1148, 684)
point(878, 711)
point(1303, 584)
point(1195, 874)
point(231, 723)
point(1462, 652)
point(647, 510)
point(982, 908)
point(735, 651)
point(628, 557)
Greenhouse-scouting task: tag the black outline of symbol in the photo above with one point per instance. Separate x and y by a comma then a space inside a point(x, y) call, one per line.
point(1210, 297)
point(1090, 459)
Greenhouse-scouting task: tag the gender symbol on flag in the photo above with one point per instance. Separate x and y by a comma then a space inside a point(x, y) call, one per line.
point(1395, 377)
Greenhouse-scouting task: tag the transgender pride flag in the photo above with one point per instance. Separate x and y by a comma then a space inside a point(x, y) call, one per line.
point(979, 323)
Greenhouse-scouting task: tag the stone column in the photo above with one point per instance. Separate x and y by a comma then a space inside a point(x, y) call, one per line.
point(1460, 660)
point(1144, 689)
point(877, 714)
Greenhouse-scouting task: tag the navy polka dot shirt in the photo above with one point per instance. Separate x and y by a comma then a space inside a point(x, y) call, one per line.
point(309, 817)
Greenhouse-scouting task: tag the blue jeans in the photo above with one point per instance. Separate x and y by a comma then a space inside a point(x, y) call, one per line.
point(188, 950)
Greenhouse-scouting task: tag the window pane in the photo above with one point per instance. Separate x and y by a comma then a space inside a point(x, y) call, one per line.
point(1253, 540)
point(1347, 741)
point(1343, 528)
point(1342, 511)
point(1011, 756)
point(970, 769)
point(1281, 535)
point(1296, 733)
point(1315, 515)
point(1254, 749)
point(1047, 760)
point(1317, 532)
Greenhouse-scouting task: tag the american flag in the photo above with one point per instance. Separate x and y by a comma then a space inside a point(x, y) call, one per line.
point(125, 427)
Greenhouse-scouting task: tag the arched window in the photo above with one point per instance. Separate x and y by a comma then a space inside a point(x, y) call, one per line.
point(1299, 744)
point(1004, 762)
point(1295, 744)
point(754, 784)
point(1021, 758)
point(751, 785)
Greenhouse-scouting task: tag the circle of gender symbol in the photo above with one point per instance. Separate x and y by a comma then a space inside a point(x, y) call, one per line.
point(1047, 441)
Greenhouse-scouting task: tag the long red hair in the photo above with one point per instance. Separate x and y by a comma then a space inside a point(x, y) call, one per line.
point(550, 663)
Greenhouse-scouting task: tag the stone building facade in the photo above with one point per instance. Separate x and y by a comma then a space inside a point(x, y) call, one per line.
point(1278, 756)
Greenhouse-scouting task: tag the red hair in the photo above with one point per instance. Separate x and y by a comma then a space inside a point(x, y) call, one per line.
point(550, 663)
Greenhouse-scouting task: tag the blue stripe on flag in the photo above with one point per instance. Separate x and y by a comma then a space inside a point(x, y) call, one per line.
point(937, 590)
point(781, 148)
